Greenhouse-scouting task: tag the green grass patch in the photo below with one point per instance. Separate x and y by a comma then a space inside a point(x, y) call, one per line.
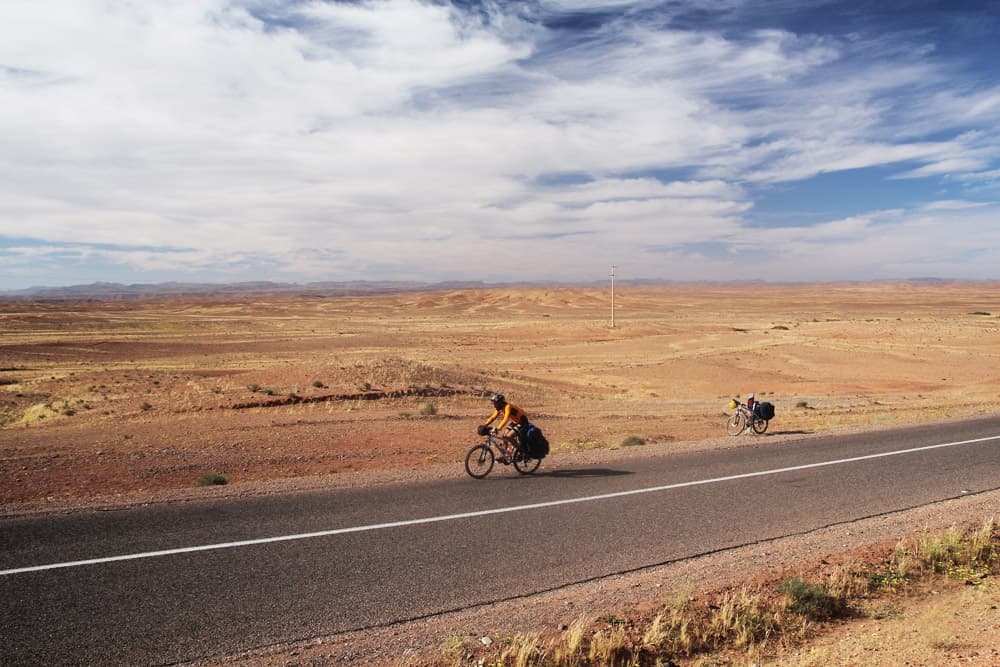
point(211, 479)
point(810, 600)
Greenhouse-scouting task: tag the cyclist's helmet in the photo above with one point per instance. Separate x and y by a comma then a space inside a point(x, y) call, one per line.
point(498, 401)
point(750, 397)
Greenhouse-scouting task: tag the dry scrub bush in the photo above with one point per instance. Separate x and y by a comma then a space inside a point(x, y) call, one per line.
point(983, 543)
point(959, 554)
point(581, 445)
point(849, 581)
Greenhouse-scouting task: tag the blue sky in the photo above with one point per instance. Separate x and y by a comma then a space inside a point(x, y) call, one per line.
point(308, 140)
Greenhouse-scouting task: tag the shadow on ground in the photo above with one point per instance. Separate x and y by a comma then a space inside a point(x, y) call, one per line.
point(583, 472)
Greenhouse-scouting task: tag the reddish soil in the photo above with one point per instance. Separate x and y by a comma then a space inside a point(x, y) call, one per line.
point(124, 398)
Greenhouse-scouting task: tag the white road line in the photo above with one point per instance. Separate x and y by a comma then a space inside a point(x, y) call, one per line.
point(479, 513)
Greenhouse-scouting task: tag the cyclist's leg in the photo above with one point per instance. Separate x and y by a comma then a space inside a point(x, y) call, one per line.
point(509, 443)
point(520, 432)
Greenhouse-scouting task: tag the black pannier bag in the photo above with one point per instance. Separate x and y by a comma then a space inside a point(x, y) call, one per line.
point(538, 446)
point(765, 410)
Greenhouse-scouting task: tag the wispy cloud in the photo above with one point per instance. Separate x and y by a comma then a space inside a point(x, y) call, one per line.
point(316, 139)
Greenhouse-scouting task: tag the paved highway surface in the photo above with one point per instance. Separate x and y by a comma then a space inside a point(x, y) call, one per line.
point(169, 583)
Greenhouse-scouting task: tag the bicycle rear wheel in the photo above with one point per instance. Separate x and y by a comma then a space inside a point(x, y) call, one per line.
point(479, 461)
point(736, 424)
point(525, 464)
point(759, 425)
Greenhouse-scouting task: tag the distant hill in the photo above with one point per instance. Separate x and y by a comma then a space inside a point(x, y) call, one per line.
point(106, 291)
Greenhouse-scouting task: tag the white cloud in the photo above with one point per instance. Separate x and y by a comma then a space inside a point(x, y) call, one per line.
point(953, 205)
point(328, 140)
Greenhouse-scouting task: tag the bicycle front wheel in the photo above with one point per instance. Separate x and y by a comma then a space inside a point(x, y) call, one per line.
point(479, 461)
point(525, 464)
point(759, 425)
point(736, 424)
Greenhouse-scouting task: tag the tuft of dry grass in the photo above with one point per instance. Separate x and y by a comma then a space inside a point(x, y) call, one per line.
point(609, 646)
point(523, 651)
point(569, 650)
point(744, 618)
point(581, 445)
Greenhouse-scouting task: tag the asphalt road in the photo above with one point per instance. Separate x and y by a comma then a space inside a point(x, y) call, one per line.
point(90, 588)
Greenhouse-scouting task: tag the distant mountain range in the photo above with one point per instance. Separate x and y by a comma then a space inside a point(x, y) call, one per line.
point(105, 291)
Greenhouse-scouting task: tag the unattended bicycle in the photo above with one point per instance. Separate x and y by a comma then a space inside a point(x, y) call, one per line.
point(480, 459)
point(745, 419)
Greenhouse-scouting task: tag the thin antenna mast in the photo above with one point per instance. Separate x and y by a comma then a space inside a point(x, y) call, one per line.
point(612, 296)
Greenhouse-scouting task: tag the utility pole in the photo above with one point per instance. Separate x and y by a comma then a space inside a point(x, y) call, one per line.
point(612, 296)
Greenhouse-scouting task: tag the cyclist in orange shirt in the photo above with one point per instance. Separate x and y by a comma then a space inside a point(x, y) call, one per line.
point(514, 419)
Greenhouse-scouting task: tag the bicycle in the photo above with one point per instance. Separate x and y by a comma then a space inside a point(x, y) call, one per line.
point(744, 420)
point(479, 461)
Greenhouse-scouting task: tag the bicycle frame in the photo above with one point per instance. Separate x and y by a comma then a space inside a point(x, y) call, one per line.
point(745, 419)
point(480, 459)
point(496, 442)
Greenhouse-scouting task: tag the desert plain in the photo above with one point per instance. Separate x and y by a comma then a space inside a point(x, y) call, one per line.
point(104, 401)
point(119, 402)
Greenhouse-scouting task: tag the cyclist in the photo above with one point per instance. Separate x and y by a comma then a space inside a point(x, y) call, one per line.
point(751, 403)
point(514, 419)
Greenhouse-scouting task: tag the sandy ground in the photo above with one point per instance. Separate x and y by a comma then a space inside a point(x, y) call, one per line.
point(124, 402)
